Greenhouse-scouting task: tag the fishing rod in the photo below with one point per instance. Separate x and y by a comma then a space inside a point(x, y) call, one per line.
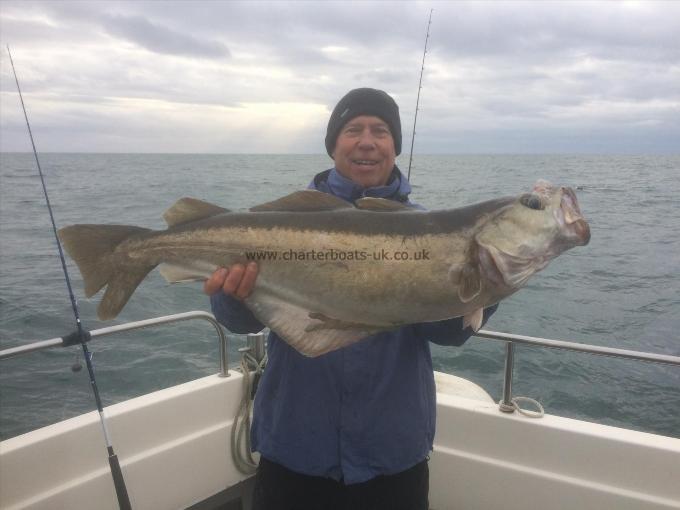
point(82, 335)
point(420, 86)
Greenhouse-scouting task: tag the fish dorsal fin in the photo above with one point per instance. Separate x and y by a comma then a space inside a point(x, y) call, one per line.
point(381, 205)
point(304, 201)
point(191, 209)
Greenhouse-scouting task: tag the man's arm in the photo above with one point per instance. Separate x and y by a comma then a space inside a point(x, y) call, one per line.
point(450, 331)
point(227, 288)
point(233, 314)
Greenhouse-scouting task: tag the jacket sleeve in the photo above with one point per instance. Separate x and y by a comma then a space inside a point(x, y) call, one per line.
point(233, 314)
point(450, 331)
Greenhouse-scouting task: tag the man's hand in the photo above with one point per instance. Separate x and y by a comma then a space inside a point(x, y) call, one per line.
point(237, 280)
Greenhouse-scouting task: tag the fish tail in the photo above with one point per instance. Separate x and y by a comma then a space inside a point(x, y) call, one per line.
point(92, 248)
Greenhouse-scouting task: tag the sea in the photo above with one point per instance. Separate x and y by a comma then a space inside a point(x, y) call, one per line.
point(621, 290)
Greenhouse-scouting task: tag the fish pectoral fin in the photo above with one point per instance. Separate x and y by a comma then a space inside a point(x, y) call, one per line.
point(382, 205)
point(311, 336)
point(191, 209)
point(469, 283)
point(195, 271)
point(474, 319)
point(515, 269)
point(304, 201)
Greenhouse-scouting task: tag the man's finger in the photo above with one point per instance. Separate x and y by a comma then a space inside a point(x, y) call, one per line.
point(247, 282)
point(233, 279)
point(215, 282)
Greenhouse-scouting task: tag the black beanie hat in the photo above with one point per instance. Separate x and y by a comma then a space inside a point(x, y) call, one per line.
point(364, 101)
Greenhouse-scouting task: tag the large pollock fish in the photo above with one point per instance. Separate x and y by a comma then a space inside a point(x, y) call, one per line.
point(331, 273)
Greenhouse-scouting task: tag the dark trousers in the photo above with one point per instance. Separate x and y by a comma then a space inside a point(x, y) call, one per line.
point(278, 488)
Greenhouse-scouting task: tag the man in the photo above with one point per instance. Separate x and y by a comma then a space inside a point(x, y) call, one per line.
point(351, 429)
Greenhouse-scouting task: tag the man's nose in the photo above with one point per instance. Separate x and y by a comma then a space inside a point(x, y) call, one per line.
point(367, 140)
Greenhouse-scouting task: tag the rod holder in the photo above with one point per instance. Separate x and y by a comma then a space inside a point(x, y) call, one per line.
point(256, 344)
point(506, 404)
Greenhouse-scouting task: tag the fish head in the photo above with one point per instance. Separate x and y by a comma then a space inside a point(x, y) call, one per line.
point(528, 233)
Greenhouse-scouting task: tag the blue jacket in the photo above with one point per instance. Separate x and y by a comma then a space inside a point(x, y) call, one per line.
point(352, 414)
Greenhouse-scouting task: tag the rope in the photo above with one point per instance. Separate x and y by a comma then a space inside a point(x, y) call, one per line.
point(240, 431)
point(529, 414)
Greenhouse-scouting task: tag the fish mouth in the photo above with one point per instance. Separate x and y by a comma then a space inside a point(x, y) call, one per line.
point(572, 219)
point(568, 214)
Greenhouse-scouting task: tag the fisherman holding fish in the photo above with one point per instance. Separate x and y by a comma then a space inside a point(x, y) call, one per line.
point(344, 416)
point(353, 428)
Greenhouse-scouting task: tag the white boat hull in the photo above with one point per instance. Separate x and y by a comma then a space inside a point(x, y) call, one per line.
point(485, 459)
point(174, 450)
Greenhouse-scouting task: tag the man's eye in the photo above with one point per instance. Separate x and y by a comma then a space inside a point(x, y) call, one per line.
point(381, 131)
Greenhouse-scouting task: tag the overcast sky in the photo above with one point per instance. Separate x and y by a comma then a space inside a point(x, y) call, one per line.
point(262, 77)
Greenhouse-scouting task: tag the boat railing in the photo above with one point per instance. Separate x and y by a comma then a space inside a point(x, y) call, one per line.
point(73, 338)
point(506, 404)
point(256, 344)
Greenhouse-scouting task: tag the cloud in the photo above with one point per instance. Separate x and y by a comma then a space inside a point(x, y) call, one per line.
point(161, 39)
point(495, 71)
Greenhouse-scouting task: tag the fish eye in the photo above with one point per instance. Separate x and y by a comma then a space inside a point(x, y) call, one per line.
point(531, 201)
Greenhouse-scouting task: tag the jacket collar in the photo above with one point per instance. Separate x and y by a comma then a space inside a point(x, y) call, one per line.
point(331, 181)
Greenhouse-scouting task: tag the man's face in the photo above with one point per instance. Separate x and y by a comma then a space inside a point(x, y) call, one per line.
point(364, 151)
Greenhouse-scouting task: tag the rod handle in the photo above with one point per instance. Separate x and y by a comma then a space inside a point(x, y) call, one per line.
point(119, 483)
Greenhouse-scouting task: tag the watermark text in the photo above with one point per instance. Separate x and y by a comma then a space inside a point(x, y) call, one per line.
point(332, 255)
